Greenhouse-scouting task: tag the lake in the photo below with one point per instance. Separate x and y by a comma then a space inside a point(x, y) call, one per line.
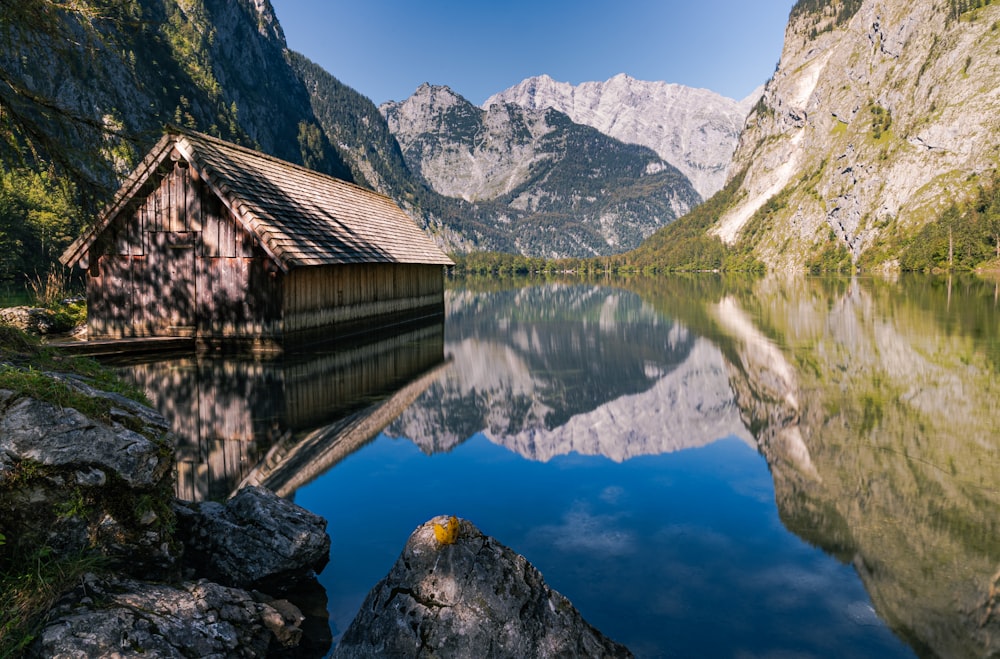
point(703, 466)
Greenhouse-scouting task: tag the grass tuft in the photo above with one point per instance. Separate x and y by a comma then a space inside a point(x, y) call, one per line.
point(28, 592)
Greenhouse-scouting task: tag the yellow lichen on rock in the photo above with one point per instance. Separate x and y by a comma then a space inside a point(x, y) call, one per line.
point(447, 534)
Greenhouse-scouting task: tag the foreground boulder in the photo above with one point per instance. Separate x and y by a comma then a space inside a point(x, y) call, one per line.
point(73, 485)
point(121, 617)
point(34, 320)
point(455, 592)
point(255, 540)
point(72, 482)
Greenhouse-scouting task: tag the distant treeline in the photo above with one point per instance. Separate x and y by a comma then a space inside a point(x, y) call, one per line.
point(504, 265)
point(959, 7)
point(965, 237)
point(842, 10)
point(682, 246)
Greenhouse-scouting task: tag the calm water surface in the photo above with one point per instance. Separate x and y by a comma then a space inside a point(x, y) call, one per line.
point(805, 468)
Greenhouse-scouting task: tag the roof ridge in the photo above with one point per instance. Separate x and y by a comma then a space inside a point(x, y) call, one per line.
point(218, 141)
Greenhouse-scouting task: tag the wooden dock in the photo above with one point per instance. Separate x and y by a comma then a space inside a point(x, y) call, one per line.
point(109, 348)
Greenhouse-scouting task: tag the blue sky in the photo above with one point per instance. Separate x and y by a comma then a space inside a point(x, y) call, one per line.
point(386, 48)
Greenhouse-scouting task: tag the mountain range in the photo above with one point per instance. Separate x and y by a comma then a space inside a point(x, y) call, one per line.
point(560, 188)
point(695, 130)
point(875, 143)
point(89, 87)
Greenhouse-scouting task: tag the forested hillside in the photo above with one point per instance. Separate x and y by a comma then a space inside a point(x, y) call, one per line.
point(88, 87)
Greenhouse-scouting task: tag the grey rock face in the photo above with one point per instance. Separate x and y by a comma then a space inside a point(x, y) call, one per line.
point(556, 187)
point(65, 478)
point(195, 619)
point(935, 83)
point(55, 436)
point(695, 130)
point(73, 484)
point(256, 540)
point(472, 598)
point(480, 155)
point(27, 319)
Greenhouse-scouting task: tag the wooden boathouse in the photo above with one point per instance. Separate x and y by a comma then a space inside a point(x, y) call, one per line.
point(211, 240)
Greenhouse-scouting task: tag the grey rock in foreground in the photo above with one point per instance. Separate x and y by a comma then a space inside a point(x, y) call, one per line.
point(62, 437)
point(254, 540)
point(472, 598)
point(34, 320)
point(121, 617)
point(71, 484)
point(74, 483)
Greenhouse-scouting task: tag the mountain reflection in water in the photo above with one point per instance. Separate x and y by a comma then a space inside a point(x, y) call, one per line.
point(548, 371)
point(580, 424)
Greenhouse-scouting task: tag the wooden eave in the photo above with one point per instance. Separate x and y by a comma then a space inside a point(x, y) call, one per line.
point(78, 248)
point(163, 149)
point(306, 218)
point(230, 201)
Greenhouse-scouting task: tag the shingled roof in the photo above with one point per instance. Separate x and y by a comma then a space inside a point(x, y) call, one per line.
point(302, 217)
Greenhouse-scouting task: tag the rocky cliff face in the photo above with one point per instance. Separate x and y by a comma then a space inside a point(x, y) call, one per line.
point(462, 151)
point(91, 87)
point(695, 130)
point(879, 434)
point(556, 187)
point(880, 115)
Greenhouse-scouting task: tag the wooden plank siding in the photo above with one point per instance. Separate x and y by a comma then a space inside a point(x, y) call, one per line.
point(344, 295)
point(212, 240)
point(175, 263)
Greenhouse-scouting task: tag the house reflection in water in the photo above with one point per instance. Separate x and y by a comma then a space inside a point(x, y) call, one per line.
point(281, 422)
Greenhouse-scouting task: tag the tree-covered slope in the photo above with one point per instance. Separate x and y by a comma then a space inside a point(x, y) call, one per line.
point(88, 86)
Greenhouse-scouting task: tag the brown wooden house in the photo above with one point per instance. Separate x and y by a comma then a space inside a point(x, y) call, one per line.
point(217, 241)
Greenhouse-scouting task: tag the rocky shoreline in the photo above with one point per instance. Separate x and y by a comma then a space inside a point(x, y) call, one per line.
point(173, 577)
point(179, 579)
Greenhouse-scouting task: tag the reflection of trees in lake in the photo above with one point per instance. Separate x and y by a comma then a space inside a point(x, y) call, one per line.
point(877, 411)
